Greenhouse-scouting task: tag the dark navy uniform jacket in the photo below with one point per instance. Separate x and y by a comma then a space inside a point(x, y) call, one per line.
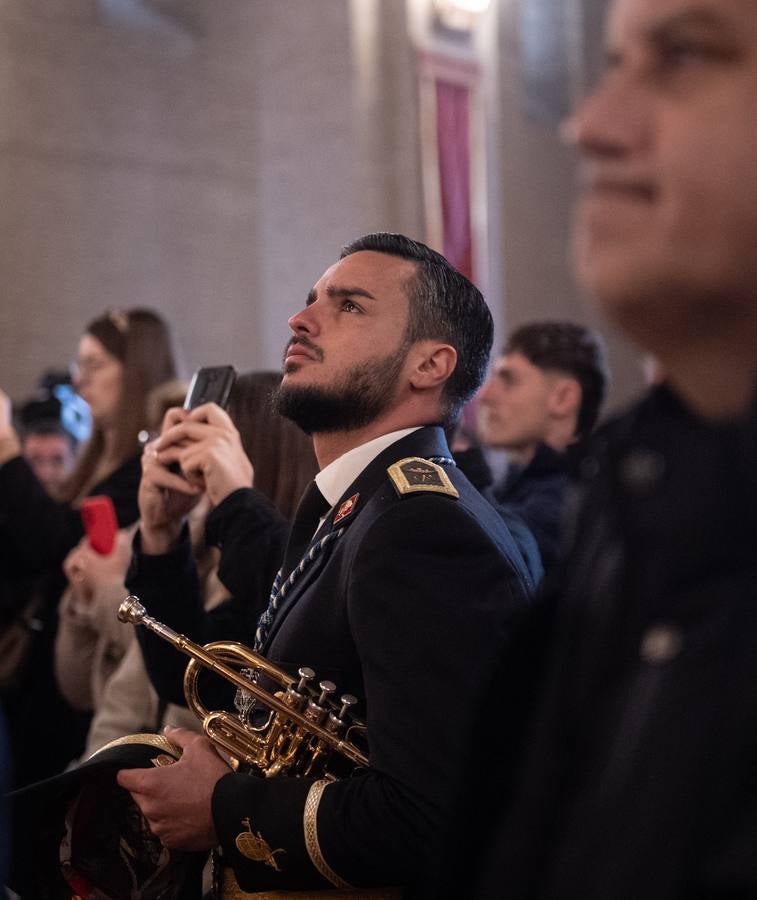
point(408, 608)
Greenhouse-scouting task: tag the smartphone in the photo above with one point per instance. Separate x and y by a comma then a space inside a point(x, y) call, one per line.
point(210, 384)
point(99, 517)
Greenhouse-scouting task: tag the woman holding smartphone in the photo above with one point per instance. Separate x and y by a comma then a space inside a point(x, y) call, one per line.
point(98, 662)
point(120, 357)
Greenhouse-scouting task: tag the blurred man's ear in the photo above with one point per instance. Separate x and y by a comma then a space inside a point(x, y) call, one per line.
point(565, 397)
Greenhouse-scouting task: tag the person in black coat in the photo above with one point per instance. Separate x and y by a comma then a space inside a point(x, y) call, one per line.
point(399, 595)
point(636, 768)
point(634, 772)
point(121, 356)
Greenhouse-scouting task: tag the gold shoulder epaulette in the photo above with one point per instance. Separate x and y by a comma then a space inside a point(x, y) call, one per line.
point(415, 474)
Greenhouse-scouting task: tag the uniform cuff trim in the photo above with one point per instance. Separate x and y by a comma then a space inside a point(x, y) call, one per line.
point(310, 821)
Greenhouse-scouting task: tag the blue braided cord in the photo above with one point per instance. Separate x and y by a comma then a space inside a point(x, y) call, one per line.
point(279, 590)
point(442, 460)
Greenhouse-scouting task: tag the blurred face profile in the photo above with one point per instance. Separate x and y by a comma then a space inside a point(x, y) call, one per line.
point(514, 404)
point(98, 377)
point(51, 457)
point(666, 222)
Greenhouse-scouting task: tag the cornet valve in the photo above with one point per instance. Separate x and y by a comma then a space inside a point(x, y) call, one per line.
point(338, 720)
point(306, 676)
point(347, 700)
point(327, 688)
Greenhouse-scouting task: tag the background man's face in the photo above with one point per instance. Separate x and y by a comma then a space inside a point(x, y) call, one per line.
point(666, 224)
point(513, 404)
point(51, 458)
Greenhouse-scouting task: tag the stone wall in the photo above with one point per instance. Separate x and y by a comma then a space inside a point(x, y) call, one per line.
point(209, 157)
point(209, 165)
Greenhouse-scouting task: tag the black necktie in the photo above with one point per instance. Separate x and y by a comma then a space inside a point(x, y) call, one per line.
point(312, 506)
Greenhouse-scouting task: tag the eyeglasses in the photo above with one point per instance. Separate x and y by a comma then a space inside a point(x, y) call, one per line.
point(86, 366)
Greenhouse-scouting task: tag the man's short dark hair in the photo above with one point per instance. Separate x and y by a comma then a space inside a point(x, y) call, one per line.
point(573, 350)
point(39, 427)
point(42, 416)
point(444, 305)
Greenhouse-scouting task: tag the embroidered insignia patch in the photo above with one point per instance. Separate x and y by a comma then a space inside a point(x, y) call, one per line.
point(414, 474)
point(346, 509)
point(253, 846)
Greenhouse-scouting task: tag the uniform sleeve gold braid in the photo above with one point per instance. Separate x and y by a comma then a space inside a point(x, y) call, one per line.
point(310, 821)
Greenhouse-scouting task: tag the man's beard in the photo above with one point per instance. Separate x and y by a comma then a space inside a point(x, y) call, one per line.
point(359, 397)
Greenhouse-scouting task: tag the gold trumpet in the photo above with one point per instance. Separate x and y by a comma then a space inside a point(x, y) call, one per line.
point(303, 732)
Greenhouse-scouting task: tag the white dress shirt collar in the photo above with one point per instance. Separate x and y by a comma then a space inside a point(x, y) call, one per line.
point(338, 475)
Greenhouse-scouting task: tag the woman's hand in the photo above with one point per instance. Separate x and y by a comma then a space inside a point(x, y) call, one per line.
point(208, 448)
point(88, 570)
point(165, 497)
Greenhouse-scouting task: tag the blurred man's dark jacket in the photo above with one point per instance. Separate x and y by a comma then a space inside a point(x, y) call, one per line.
point(635, 685)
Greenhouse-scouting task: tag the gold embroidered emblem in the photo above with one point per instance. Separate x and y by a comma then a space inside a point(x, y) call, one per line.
point(252, 845)
point(413, 475)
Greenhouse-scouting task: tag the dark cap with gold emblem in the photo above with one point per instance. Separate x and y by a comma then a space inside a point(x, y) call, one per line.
point(79, 834)
point(414, 475)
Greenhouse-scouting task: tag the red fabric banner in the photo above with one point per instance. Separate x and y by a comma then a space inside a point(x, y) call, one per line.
point(453, 143)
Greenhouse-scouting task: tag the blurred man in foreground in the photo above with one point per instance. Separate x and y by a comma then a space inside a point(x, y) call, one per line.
point(636, 772)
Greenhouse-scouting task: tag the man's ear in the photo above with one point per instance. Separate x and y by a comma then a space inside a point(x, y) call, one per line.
point(565, 397)
point(432, 364)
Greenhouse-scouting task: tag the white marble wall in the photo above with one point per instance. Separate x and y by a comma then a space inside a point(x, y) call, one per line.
point(209, 158)
point(211, 171)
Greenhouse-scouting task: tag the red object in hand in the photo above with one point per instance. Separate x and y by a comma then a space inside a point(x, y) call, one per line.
point(99, 517)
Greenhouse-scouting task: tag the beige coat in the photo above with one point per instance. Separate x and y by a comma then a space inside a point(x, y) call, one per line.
point(90, 644)
point(129, 704)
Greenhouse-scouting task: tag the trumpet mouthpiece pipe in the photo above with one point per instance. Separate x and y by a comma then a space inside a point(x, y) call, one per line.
point(131, 611)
